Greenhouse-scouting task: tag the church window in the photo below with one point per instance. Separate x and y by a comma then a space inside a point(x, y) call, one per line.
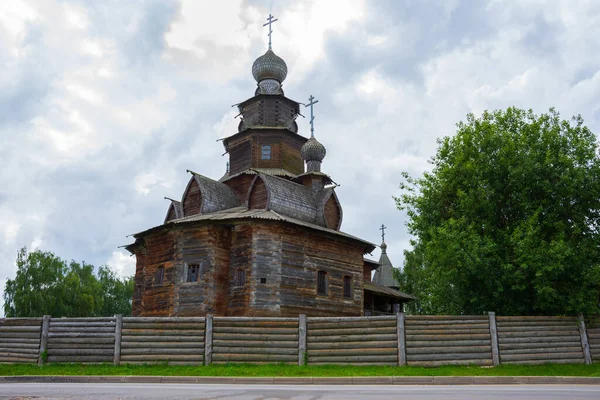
point(193, 272)
point(347, 286)
point(263, 280)
point(322, 282)
point(240, 279)
point(159, 276)
point(265, 152)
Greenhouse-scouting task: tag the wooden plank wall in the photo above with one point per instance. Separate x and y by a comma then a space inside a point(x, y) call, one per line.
point(20, 340)
point(593, 333)
point(537, 340)
point(81, 340)
point(174, 340)
point(448, 340)
point(359, 340)
point(255, 340)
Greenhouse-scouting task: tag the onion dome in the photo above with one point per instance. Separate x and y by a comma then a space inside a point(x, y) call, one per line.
point(269, 66)
point(383, 248)
point(313, 153)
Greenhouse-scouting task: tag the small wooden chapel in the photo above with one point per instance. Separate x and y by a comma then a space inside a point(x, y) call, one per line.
point(265, 239)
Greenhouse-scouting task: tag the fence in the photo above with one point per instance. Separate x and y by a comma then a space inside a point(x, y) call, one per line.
point(380, 340)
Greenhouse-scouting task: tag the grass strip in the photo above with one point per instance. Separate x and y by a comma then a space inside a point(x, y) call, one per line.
point(272, 370)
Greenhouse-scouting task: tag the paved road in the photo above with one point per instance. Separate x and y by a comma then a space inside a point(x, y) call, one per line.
point(131, 391)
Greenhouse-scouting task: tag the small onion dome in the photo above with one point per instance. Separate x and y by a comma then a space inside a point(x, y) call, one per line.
point(313, 150)
point(269, 66)
point(383, 247)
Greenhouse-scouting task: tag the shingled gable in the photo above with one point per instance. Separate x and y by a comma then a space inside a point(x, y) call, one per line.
point(204, 195)
point(175, 210)
point(282, 196)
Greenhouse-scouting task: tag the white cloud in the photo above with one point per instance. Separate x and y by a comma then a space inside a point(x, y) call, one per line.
point(103, 108)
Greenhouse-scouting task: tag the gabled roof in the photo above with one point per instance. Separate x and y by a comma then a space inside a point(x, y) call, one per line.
point(385, 273)
point(387, 291)
point(289, 198)
point(256, 171)
point(176, 207)
point(216, 196)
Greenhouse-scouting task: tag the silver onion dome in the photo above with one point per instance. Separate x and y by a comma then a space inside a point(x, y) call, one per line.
point(269, 66)
point(313, 150)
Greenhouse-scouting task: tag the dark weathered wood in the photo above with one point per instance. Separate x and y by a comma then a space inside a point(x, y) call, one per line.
point(401, 342)
point(449, 356)
point(448, 349)
point(392, 359)
point(44, 338)
point(349, 338)
point(258, 343)
point(166, 320)
point(354, 324)
point(481, 362)
point(253, 350)
point(494, 337)
point(82, 352)
point(208, 340)
point(166, 338)
point(163, 351)
point(162, 357)
point(585, 346)
point(117, 349)
point(291, 358)
point(301, 338)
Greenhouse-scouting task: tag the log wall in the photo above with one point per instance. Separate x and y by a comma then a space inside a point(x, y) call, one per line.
point(359, 340)
point(448, 340)
point(538, 340)
point(255, 340)
point(153, 340)
point(20, 340)
point(81, 340)
point(593, 334)
point(383, 340)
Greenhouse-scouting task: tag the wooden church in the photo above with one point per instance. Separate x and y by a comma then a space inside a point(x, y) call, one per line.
point(265, 239)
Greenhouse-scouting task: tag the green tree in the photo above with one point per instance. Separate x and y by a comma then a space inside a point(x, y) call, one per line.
point(508, 219)
point(46, 285)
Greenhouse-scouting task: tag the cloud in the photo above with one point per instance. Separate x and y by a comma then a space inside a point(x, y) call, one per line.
point(103, 106)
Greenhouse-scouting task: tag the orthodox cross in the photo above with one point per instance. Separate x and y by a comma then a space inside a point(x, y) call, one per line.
point(382, 229)
point(270, 21)
point(312, 102)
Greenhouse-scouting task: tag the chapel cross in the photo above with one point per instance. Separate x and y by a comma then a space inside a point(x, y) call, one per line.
point(312, 102)
point(382, 229)
point(270, 21)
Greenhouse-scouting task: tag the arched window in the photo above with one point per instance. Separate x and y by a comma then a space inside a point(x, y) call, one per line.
point(347, 286)
point(322, 282)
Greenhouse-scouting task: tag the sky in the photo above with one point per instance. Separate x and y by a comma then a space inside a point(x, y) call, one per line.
point(104, 105)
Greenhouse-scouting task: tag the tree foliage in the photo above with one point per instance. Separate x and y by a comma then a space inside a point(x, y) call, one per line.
point(46, 285)
point(508, 219)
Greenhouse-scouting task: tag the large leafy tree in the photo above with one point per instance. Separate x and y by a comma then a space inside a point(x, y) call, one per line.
point(508, 218)
point(46, 285)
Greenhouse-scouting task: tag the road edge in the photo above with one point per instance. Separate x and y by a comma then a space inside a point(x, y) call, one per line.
point(357, 380)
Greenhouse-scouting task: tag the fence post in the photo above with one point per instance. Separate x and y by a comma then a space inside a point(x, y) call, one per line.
point(301, 338)
point(400, 318)
point(585, 345)
point(494, 337)
point(44, 339)
point(118, 328)
point(208, 340)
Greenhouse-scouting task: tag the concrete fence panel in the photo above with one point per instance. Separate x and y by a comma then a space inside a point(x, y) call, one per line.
point(176, 340)
point(81, 340)
point(255, 340)
point(538, 340)
point(448, 340)
point(20, 340)
point(349, 340)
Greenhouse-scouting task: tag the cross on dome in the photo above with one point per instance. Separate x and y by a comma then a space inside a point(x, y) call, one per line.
point(312, 102)
point(382, 229)
point(270, 21)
